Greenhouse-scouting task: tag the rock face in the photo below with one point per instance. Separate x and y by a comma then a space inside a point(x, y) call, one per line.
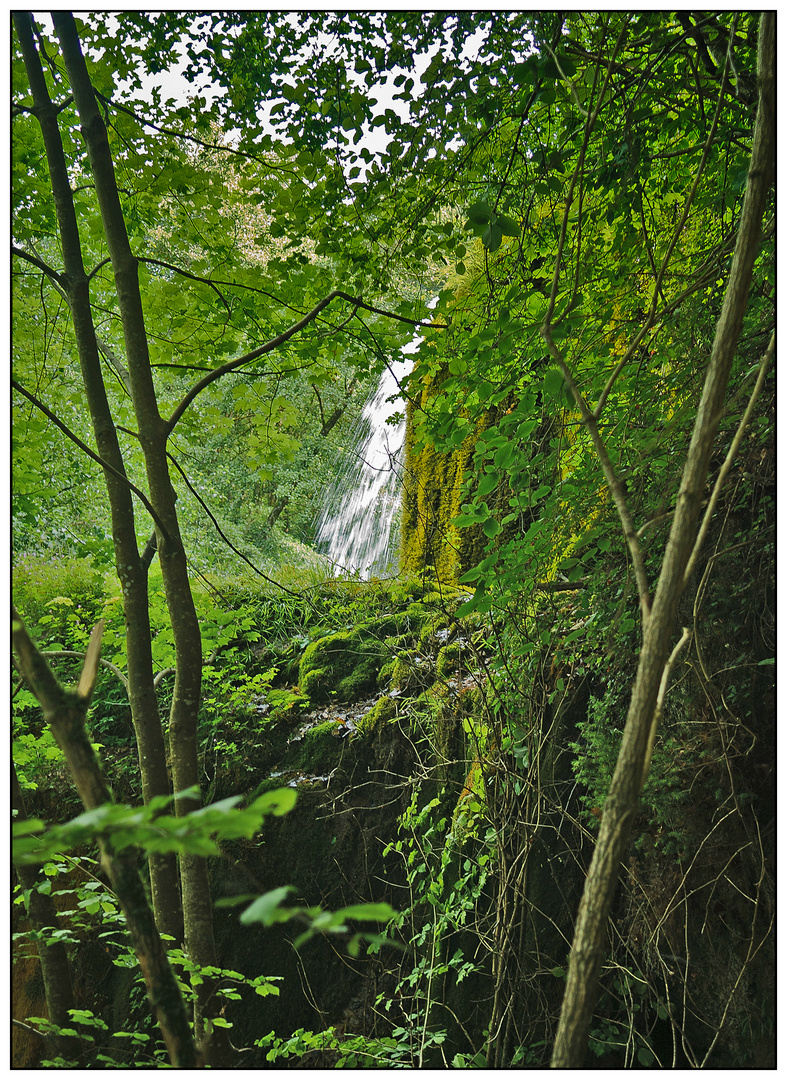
point(485, 805)
point(330, 848)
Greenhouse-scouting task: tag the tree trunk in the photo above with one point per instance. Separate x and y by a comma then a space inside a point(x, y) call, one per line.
point(622, 802)
point(65, 712)
point(55, 968)
point(131, 572)
point(153, 434)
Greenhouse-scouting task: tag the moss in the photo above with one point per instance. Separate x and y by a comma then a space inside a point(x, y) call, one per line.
point(340, 665)
point(411, 672)
point(377, 717)
point(385, 673)
point(449, 659)
point(383, 627)
point(317, 751)
point(432, 498)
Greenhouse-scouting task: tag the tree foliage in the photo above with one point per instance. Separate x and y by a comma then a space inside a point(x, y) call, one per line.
point(204, 292)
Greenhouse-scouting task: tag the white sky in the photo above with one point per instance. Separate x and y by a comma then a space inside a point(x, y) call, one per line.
point(173, 84)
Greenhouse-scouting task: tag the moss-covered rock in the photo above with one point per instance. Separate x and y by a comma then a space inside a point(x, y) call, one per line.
point(378, 716)
point(451, 658)
point(343, 666)
point(316, 751)
point(411, 673)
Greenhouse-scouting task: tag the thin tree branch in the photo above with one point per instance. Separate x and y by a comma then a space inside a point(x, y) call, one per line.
point(281, 339)
point(664, 684)
point(98, 267)
point(39, 264)
point(620, 807)
point(651, 316)
point(190, 138)
point(736, 442)
point(90, 453)
point(63, 654)
point(228, 542)
point(590, 124)
point(188, 274)
point(565, 77)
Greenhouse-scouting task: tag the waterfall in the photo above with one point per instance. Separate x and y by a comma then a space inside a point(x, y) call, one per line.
point(356, 526)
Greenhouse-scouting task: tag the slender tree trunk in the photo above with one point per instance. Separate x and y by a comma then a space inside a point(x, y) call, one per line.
point(131, 572)
point(55, 968)
point(622, 802)
point(153, 434)
point(65, 712)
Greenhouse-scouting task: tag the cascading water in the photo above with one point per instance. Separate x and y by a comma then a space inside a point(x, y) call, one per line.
point(355, 528)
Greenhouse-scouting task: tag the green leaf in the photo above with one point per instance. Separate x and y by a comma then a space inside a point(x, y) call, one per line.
point(479, 213)
point(278, 802)
point(489, 482)
point(492, 237)
point(553, 384)
point(379, 912)
point(507, 225)
point(266, 908)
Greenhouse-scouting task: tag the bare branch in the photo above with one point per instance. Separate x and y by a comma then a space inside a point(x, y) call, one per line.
point(665, 677)
point(39, 264)
point(566, 79)
point(90, 453)
point(736, 442)
point(613, 482)
point(591, 123)
point(65, 654)
point(87, 679)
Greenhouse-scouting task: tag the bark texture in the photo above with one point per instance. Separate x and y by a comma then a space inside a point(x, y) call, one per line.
point(65, 712)
point(622, 802)
point(131, 571)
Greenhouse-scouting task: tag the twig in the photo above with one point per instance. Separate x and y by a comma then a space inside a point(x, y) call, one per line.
point(64, 653)
point(665, 676)
point(90, 453)
point(736, 442)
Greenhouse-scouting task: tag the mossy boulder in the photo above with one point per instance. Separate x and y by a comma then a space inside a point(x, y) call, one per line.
point(381, 713)
point(341, 666)
point(411, 672)
point(451, 659)
point(316, 751)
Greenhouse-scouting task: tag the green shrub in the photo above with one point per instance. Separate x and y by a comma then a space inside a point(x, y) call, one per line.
point(37, 582)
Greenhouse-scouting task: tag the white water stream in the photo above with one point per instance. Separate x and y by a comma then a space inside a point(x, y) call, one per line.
point(356, 528)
